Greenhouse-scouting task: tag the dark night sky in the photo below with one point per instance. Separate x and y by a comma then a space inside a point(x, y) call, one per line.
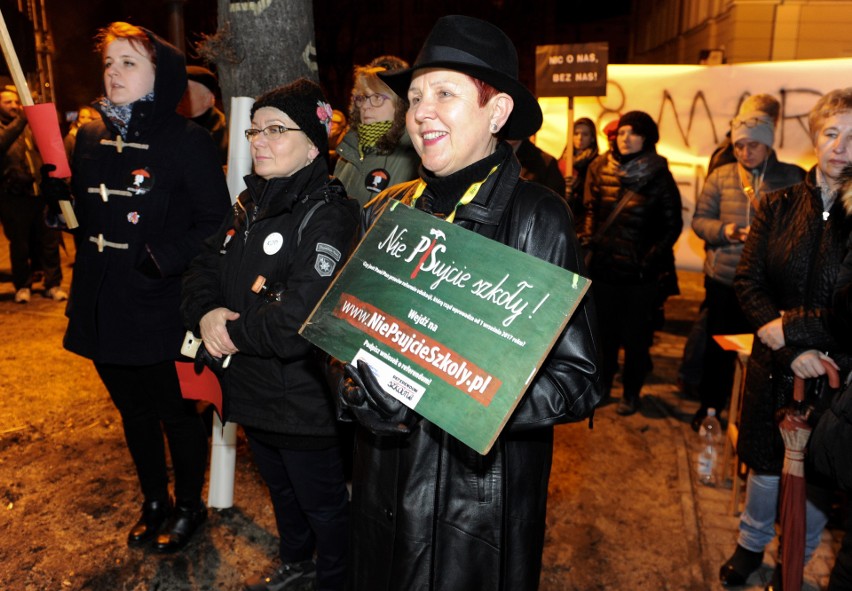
point(347, 32)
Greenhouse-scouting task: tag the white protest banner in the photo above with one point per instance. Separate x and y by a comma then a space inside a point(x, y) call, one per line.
point(693, 106)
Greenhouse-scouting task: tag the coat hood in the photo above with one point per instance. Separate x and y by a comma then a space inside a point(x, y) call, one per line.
point(170, 77)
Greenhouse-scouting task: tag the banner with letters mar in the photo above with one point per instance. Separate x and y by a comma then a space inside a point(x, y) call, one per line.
point(693, 106)
point(454, 325)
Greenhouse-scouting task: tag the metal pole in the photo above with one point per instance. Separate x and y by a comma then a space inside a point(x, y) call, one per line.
point(569, 152)
point(176, 26)
point(14, 65)
point(44, 51)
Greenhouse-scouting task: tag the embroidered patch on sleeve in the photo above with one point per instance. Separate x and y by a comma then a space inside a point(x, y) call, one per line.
point(327, 259)
point(324, 265)
point(329, 250)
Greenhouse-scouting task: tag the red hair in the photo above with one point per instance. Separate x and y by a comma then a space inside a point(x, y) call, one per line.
point(138, 39)
point(486, 91)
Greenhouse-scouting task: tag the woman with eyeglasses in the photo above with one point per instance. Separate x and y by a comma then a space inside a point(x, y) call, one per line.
point(376, 151)
point(248, 294)
point(148, 190)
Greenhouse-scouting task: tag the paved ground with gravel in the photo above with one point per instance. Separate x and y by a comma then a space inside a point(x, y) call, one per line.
point(625, 510)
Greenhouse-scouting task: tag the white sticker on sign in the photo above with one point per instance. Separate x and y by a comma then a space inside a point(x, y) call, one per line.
point(394, 382)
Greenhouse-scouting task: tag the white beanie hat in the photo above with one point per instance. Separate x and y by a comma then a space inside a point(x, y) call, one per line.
point(754, 125)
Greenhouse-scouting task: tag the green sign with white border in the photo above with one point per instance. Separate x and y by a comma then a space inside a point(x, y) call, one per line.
point(454, 325)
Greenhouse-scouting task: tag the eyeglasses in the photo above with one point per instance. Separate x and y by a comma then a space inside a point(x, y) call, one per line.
point(376, 100)
point(273, 132)
point(751, 122)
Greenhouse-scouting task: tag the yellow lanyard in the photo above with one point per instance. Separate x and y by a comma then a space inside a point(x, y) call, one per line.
point(466, 198)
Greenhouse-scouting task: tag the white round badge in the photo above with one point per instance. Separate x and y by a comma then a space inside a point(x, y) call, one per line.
point(273, 243)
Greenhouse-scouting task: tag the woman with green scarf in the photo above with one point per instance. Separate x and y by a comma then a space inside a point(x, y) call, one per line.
point(376, 152)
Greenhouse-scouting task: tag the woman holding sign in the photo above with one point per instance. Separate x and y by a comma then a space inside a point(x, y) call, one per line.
point(428, 511)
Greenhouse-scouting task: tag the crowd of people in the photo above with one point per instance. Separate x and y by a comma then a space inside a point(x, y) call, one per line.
point(161, 250)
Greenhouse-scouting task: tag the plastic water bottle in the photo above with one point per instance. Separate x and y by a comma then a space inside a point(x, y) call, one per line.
point(710, 434)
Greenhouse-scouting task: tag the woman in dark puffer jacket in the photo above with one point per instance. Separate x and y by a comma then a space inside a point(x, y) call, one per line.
point(632, 251)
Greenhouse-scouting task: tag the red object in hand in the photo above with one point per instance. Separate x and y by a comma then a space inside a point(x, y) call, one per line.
point(44, 123)
point(799, 383)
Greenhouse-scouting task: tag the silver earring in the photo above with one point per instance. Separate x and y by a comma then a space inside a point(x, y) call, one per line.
point(493, 128)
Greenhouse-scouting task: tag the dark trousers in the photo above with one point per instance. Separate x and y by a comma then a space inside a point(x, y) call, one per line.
point(150, 402)
point(724, 316)
point(692, 361)
point(626, 319)
point(32, 245)
point(311, 506)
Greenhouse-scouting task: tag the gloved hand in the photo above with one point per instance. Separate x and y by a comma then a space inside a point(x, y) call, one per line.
point(203, 357)
point(378, 411)
point(52, 189)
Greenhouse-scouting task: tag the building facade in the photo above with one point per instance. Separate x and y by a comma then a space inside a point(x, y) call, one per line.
point(737, 31)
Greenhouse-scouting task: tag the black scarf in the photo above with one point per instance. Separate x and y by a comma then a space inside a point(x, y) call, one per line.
point(635, 170)
point(443, 193)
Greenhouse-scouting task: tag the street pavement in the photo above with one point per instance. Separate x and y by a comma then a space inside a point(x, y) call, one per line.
point(707, 511)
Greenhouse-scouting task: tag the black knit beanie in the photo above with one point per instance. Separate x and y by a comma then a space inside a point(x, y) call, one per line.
point(643, 125)
point(303, 101)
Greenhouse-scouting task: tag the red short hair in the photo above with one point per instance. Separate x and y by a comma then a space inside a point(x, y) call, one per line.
point(486, 91)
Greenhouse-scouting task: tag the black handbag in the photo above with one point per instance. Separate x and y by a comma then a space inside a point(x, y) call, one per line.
point(830, 445)
point(587, 257)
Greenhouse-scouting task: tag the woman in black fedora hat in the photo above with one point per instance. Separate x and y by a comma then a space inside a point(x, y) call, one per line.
point(428, 512)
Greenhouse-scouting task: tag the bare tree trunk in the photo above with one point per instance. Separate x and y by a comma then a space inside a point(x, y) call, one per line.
point(260, 45)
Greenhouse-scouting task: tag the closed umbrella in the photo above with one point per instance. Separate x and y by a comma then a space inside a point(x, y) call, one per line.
point(795, 432)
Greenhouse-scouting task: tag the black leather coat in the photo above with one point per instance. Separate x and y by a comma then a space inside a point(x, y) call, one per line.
point(428, 512)
point(790, 264)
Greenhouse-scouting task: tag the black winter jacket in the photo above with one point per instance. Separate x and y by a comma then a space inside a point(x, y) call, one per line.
point(540, 167)
point(428, 512)
point(18, 178)
point(294, 232)
point(790, 264)
point(637, 246)
point(144, 206)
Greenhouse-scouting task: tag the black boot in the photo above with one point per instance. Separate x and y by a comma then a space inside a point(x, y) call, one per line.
point(629, 405)
point(154, 514)
point(739, 567)
point(185, 520)
point(775, 584)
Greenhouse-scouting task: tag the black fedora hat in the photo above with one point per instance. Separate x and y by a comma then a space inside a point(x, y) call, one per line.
point(479, 49)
